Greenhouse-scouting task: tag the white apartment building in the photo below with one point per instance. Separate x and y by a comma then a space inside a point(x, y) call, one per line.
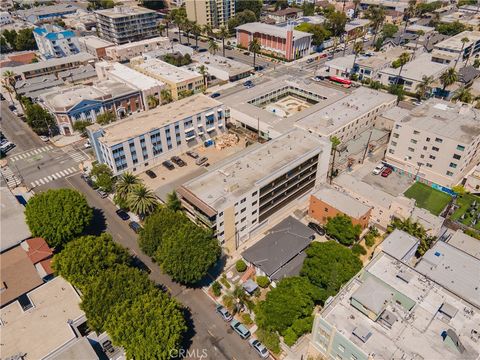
point(449, 50)
point(54, 41)
point(437, 143)
point(237, 197)
point(146, 139)
point(213, 12)
point(130, 50)
point(122, 73)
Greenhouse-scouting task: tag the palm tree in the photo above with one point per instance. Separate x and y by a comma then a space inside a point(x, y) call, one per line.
point(463, 95)
point(357, 49)
point(166, 96)
point(464, 41)
point(212, 46)
point(424, 86)
point(9, 90)
point(188, 29)
point(223, 34)
point(207, 30)
point(403, 59)
point(202, 69)
point(161, 27)
point(168, 20)
point(141, 201)
point(196, 31)
point(448, 78)
point(335, 143)
point(410, 12)
point(179, 21)
point(10, 81)
point(254, 47)
point(125, 184)
point(376, 14)
point(152, 102)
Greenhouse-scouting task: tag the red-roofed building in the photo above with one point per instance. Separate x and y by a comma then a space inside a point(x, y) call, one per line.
point(39, 254)
point(18, 59)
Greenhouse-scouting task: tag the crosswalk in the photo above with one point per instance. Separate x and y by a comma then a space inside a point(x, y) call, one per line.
point(76, 155)
point(56, 176)
point(30, 153)
point(9, 177)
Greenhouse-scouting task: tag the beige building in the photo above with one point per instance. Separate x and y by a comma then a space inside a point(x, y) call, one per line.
point(436, 143)
point(210, 12)
point(94, 46)
point(130, 50)
point(179, 80)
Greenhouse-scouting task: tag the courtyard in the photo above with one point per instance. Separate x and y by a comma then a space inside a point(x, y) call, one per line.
point(428, 198)
point(467, 210)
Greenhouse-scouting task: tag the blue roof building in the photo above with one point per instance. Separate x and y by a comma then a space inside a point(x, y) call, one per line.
point(54, 42)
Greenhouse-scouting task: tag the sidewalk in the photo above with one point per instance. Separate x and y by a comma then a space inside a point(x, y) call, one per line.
point(61, 140)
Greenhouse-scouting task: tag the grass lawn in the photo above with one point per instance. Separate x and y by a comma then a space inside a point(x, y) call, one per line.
point(464, 202)
point(428, 198)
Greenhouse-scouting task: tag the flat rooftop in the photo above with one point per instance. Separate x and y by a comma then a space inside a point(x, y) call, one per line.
point(466, 243)
point(46, 10)
point(43, 328)
point(398, 244)
point(82, 57)
point(413, 334)
point(167, 71)
point(454, 269)
point(134, 77)
point(455, 42)
point(124, 11)
point(95, 41)
point(14, 229)
point(144, 122)
point(335, 116)
point(160, 41)
point(223, 185)
point(421, 66)
point(232, 67)
point(381, 59)
point(273, 30)
point(341, 201)
point(454, 121)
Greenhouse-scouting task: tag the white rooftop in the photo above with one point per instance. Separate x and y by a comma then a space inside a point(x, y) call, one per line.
point(167, 71)
point(380, 60)
point(14, 229)
point(232, 67)
point(133, 77)
point(421, 66)
point(124, 11)
point(455, 42)
point(465, 243)
point(341, 201)
point(94, 41)
point(398, 244)
point(160, 41)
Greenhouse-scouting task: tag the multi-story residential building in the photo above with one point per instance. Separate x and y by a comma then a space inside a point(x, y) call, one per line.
point(94, 46)
point(436, 143)
point(179, 80)
point(149, 86)
point(284, 42)
point(130, 50)
point(473, 181)
point(393, 311)
point(55, 42)
point(51, 66)
point(210, 12)
point(144, 140)
point(452, 49)
point(237, 198)
point(84, 102)
point(123, 24)
point(45, 13)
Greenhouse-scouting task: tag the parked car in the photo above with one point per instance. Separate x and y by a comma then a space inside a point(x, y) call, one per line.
point(309, 61)
point(201, 160)
point(240, 329)
point(318, 78)
point(192, 154)
point(11, 107)
point(168, 165)
point(102, 194)
point(246, 53)
point(317, 228)
point(140, 265)
point(122, 214)
point(215, 95)
point(178, 161)
point(378, 169)
point(175, 40)
point(202, 50)
point(323, 55)
point(248, 84)
point(386, 172)
point(87, 145)
point(224, 313)
point(259, 68)
point(259, 348)
point(151, 174)
point(230, 57)
point(7, 146)
point(135, 226)
point(87, 179)
point(44, 138)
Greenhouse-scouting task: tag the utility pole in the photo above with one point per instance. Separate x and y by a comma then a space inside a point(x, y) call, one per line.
point(366, 147)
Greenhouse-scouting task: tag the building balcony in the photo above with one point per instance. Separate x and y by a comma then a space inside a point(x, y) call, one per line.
point(210, 129)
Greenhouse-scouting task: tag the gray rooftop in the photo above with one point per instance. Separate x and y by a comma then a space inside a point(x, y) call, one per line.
point(421, 66)
point(82, 57)
point(81, 73)
point(46, 10)
point(14, 229)
point(373, 294)
point(341, 201)
point(465, 243)
point(380, 60)
point(79, 349)
point(273, 30)
point(398, 244)
point(454, 269)
point(284, 242)
point(124, 11)
point(224, 185)
point(455, 42)
point(454, 121)
point(232, 67)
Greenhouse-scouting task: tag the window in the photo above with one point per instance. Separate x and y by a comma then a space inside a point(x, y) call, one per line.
point(456, 157)
point(395, 135)
point(429, 165)
point(413, 141)
point(254, 212)
point(438, 140)
point(460, 147)
point(326, 209)
point(394, 143)
point(428, 139)
point(411, 149)
point(220, 214)
point(422, 156)
point(424, 148)
point(415, 132)
point(243, 219)
point(453, 165)
point(341, 348)
point(398, 126)
point(254, 203)
point(391, 151)
point(449, 173)
point(255, 193)
point(243, 200)
point(243, 210)
point(432, 157)
point(434, 148)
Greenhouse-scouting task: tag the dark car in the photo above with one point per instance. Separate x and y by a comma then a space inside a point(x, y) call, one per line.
point(140, 265)
point(317, 228)
point(192, 154)
point(12, 107)
point(259, 68)
point(386, 172)
point(175, 40)
point(309, 61)
point(215, 95)
point(202, 50)
point(122, 214)
point(135, 226)
point(168, 165)
point(2, 97)
point(151, 174)
point(246, 53)
point(177, 160)
point(230, 57)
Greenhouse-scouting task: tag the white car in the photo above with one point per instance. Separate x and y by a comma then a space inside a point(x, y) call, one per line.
point(87, 145)
point(378, 169)
point(259, 348)
point(44, 138)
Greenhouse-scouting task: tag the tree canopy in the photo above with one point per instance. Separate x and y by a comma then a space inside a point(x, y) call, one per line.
point(240, 18)
point(254, 6)
point(40, 120)
point(19, 41)
point(58, 216)
point(329, 265)
point(102, 177)
point(87, 258)
point(342, 229)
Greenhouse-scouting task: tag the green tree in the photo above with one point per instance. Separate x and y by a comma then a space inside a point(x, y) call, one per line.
point(173, 202)
point(223, 33)
point(463, 95)
point(86, 258)
point(9, 83)
point(358, 250)
point(424, 87)
point(106, 118)
point(202, 70)
point(240, 18)
point(11, 38)
point(255, 47)
point(166, 96)
point(389, 30)
point(111, 287)
point(308, 9)
point(402, 60)
point(397, 90)
point(459, 189)
point(212, 46)
point(254, 6)
point(152, 102)
point(464, 41)
point(126, 182)
point(161, 28)
point(376, 15)
point(142, 201)
point(270, 339)
point(450, 29)
point(40, 120)
point(415, 229)
point(196, 31)
point(81, 126)
point(102, 177)
point(357, 49)
point(148, 327)
point(319, 34)
point(240, 266)
point(335, 143)
point(263, 281)
point(329, 265)
point(342, 229)
point(58, 216)
point(449, 77)
point(335, 23)
point(25, 40)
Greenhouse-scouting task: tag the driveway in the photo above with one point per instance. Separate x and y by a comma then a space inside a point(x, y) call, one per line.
point(394, 184)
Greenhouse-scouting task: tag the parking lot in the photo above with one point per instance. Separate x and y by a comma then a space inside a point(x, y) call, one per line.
point(167, 180)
